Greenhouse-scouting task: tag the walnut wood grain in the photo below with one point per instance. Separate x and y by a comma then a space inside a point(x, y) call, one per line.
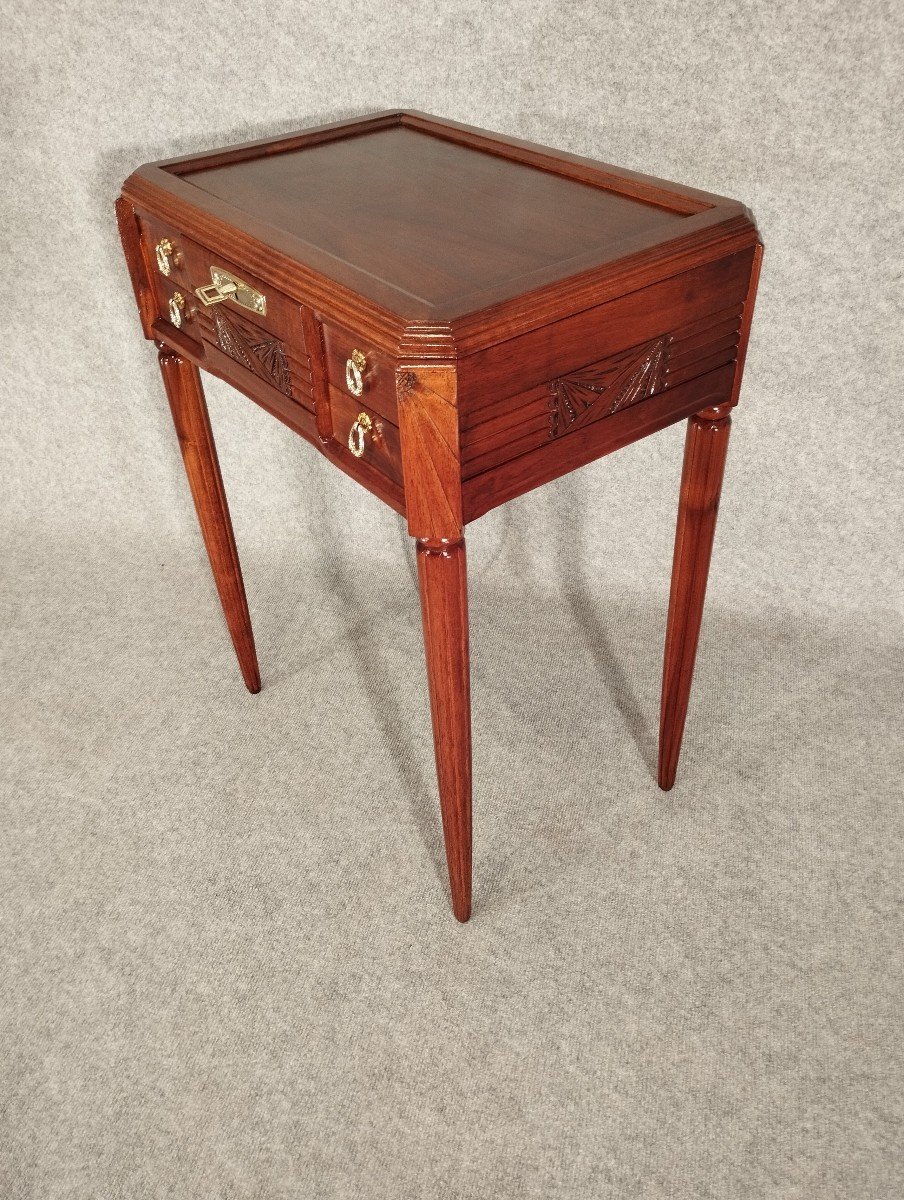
point(562, 455)
point(379, 392)
point(226, 338)
point(130, 237)
point(664, 228)
point(313, 336)
point(706, 447)
point(186, 398)
point(673, 306)
point(381, 445)
point(505, 430)
point(431, 455)
point(432, 469)
point(444, 605)
point(747, 320)
point(701, 484)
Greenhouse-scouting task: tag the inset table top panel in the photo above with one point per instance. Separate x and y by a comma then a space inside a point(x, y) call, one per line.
point(433, 219)
point(429, 220)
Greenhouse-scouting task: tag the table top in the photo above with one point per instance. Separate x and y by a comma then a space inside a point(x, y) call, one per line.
point(432, 221)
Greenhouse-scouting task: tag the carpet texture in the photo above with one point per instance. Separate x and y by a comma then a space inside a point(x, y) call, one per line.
point(228, 967)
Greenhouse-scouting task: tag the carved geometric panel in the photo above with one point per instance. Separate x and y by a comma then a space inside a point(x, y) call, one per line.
point(266, 357)
point(607, 387)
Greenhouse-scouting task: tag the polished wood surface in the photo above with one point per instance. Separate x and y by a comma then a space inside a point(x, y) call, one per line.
point(186, 398)
point(690, 228)
point(701, 485)
point(379, 374)
point(514, 313)
point(431, 461)
point(528, 471)
point(462, 225)
point(706, 446)
point(444, 606)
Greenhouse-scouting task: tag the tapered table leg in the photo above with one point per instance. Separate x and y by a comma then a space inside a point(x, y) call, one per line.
point(186, 397)
point(701, 484)
point(444, 604)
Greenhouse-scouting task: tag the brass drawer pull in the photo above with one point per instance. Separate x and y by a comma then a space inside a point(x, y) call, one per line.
point(168, 256)
point(226, 286)
point(354, 373)
point(357, 434)
point(215, 293)
point(177, 309)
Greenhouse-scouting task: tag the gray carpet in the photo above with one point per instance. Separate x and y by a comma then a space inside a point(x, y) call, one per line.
point(229, 964)
point(228, 968)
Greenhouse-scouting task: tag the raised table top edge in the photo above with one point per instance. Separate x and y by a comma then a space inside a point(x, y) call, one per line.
point(719, 227)
point(267, 255)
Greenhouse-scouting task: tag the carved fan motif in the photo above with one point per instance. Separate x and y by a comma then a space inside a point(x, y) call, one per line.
point(266, 357)
point(605, 388)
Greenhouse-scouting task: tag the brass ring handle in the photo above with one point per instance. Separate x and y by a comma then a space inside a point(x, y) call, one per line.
point(177, 309)
point(358, 432)
point(354, 373)
point(167, 256)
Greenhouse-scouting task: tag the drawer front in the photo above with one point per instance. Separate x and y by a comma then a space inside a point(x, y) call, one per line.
point(372, 370)
point(379, 444)
point(599, 363)
point(269, 345)
point(164, 249)
point(284, 358)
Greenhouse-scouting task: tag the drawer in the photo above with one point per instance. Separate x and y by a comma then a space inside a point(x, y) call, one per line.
point(270, 345)
point(380, 445)
point(262, 353)
point(164, 250)
point(377, 372)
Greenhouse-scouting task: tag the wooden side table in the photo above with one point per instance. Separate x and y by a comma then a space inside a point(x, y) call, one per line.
point(453, 318)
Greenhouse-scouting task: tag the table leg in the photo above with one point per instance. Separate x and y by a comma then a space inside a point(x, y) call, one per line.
point(701, 484)
point(444, 604)
point(186, 397)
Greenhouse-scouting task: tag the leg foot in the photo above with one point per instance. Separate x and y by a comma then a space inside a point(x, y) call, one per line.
point(444, 604)
point(701, 484)
point(186, 398)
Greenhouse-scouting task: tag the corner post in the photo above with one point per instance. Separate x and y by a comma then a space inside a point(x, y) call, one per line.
point(428, 421)
point(705, 451)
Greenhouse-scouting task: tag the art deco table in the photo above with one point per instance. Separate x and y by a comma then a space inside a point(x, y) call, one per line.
point(453, 318)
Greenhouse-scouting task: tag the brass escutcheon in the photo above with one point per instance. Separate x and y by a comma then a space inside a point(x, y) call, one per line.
point(356, 436)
